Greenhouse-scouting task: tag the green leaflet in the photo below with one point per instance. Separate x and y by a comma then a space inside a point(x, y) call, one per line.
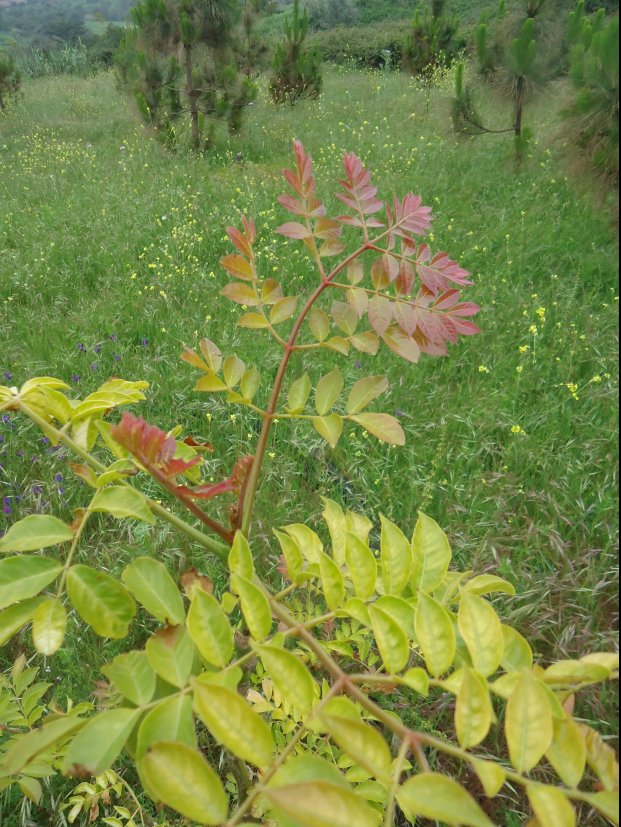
point(13, 618)
point(331, 581)
point(209, 628)
point(133, 676)
point(395, 558)
point(528, 723)
point(431, 552)
point(362, 742)
point(435, 634)
point(362, 566)
point(233, 723)
point(291, 552)
point(99, 742)
point(170, 653)
point(391, 640)
point(101, 601)
point(322, 804)
point(255, 607)
point(25, 576)
point(240, 557)
point(551, 806)
point(290, 677)
point(34, 532)
point(567, 752)
point(170, 720)
point(121, 501)
point(473, 710)
point(24, 749)
point(48, 626)
point(153, 587)
point(181, 778)
point(480, 627)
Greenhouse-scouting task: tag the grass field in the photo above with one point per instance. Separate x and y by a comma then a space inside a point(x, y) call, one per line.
point(109, 249)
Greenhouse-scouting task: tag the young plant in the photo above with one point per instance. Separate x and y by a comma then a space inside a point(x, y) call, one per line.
point(10, 79)
point(293, 689)
point(297, 70)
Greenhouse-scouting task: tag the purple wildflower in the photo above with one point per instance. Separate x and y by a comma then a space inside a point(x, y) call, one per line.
point(81, 347)
point(7, 375)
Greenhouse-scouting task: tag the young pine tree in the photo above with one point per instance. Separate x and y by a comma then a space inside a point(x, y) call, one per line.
point(9, 79)
point(297, 71)
point(179, 59)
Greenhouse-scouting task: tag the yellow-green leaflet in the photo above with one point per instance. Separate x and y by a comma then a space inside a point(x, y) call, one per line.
point(480, 627)
point(240, 557)
point(491, 776)
point(181, 778)
point(171, 654)
point(307, 541)
point(330, 427)
point(97, 746)
point(290, 677)
point(298, 394)
point(607, 803)
point(232, 721)
point(395, 557)
point(435, 634)
point(391, 640)
point(133, 676)
point(435, 796)
point(210, 629)
point(362, 566)
point(431, 554)
point(322, 804)
point(473, 709)
point(337, 522)
point(153, 587)
point(170, 720)
point(120, 502)
point(551, 806)
point(22, 751)
point(13, 618)
point(567, 752)
point(517, 653)
point(291, 553)
point(34, 532)
point(25, 576)
point(528, 723)
point(101, 601)
point(331, 581)
point(328, 391)
point(254, 605)
point(362, 742)
point(48, 626)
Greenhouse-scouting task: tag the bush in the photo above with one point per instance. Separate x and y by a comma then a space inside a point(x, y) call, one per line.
point(367, 47)
point(433, 40)
point(305, 691)
point(9, 79)
point(296, 69)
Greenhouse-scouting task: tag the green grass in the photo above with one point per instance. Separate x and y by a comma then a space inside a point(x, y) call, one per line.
point(109, 249)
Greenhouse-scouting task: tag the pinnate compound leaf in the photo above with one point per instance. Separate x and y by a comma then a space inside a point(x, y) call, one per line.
point(48, 626)
point(254, 606)
point(431, 552)
point(383, 426)
point(395, 557)
point(329, 427)
point(171, 654)
point(435, 634)
point(233, 723)
point(290, 677)
point(434, 796)
point(606, 803)
point(98, 744)
point(121, 501)
point(528, 723)
point(25, 576)
point(551, 806)
point(298, 394)
point(209, 628)
point(480, 627)
point(101, 601)
point(328, 391)
point(34, 532)
point(391, 640)
point(473, 709)
point(133, 676)
point(322, 804)
point(361, 742)
point(181, 778)
point(24, 750)
point(364, 392)
point(362, 566)
point(567, 752)
point(170, 720)
point(153, 587)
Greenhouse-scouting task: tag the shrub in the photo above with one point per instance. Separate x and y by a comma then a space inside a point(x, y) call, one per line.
point(367, 47)
point(433, 40)
point(296, 70)
point(287, 685)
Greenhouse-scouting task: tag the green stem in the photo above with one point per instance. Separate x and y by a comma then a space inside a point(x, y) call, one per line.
point(396, 780)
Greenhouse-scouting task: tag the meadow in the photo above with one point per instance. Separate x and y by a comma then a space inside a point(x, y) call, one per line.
point(109, 251)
